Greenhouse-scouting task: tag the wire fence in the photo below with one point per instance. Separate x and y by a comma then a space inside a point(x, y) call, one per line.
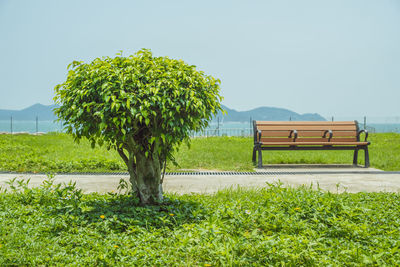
point(36, 126)
point(218, 128)
point(210, 132)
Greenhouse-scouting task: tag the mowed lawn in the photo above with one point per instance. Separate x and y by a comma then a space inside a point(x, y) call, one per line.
point(271, 226)
point(58, 153)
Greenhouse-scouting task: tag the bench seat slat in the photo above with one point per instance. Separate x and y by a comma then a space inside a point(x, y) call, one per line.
point(314, 143)
point(308, 127)
point(307, 133)
point(305, 123)
point(300, 140)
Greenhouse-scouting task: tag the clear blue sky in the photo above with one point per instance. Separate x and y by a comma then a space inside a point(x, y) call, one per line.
point(333, 57)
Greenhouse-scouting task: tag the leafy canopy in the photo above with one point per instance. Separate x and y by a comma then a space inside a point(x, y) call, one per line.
point(141, 98)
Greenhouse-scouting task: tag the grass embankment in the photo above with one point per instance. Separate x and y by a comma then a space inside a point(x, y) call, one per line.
point(58, 153)
point(52, 225)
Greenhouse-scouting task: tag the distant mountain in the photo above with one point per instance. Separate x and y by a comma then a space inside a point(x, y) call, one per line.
point(267, 114)
point(44, 113)
point(263, 113)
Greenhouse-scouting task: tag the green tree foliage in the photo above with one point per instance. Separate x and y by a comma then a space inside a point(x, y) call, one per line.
point(143, 106)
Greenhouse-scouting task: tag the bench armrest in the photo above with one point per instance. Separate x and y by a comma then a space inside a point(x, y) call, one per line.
point(362, 131)
point(294, 132)
point(330, 134)
point(259, 136)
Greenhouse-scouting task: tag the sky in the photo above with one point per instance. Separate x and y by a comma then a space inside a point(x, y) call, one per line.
point(335, 58)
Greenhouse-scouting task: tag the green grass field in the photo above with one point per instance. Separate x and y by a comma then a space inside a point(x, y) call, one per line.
point(57, 226)
point(58, 153)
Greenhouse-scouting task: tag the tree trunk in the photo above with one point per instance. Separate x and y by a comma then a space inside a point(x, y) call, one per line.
point(147, 179)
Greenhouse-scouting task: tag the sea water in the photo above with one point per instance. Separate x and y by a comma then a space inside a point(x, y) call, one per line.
point(30, 126)
point(229, 128)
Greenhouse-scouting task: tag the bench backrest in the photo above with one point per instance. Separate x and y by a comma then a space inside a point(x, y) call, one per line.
point(307, 131)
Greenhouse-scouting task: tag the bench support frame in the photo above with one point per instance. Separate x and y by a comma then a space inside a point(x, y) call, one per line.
point(258, 148)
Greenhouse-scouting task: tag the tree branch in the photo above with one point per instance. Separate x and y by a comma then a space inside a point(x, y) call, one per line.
point(163, 173)
point(132, 163)
point(123, 156)
point(132, 172)
point(165, 165)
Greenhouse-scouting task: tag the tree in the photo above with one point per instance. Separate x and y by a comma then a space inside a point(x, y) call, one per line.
point(141, 105)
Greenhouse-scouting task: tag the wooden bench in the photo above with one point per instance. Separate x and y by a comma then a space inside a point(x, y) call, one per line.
point(309, 135)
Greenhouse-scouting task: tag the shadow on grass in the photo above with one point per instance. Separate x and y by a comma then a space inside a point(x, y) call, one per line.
point(123, 212)
point(106, 212)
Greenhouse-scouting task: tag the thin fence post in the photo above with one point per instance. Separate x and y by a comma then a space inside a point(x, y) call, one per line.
point(251, 126)
point(365, 122)
point(37, 122)
point(218, 127)
point(11, 126)
point(332, 118)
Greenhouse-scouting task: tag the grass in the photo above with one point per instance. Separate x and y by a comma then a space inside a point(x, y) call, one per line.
point(58, 225)
point(58, 153)
point(54, 153)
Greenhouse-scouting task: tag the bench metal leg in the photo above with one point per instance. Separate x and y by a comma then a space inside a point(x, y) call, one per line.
point(355, 157)
point(259, 158)
point(366, 157)
point(254, 153)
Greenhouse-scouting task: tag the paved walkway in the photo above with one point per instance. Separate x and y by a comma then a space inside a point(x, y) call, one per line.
point(332, 178)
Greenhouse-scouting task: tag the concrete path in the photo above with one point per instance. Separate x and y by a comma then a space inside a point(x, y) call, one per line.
point(332, 178)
